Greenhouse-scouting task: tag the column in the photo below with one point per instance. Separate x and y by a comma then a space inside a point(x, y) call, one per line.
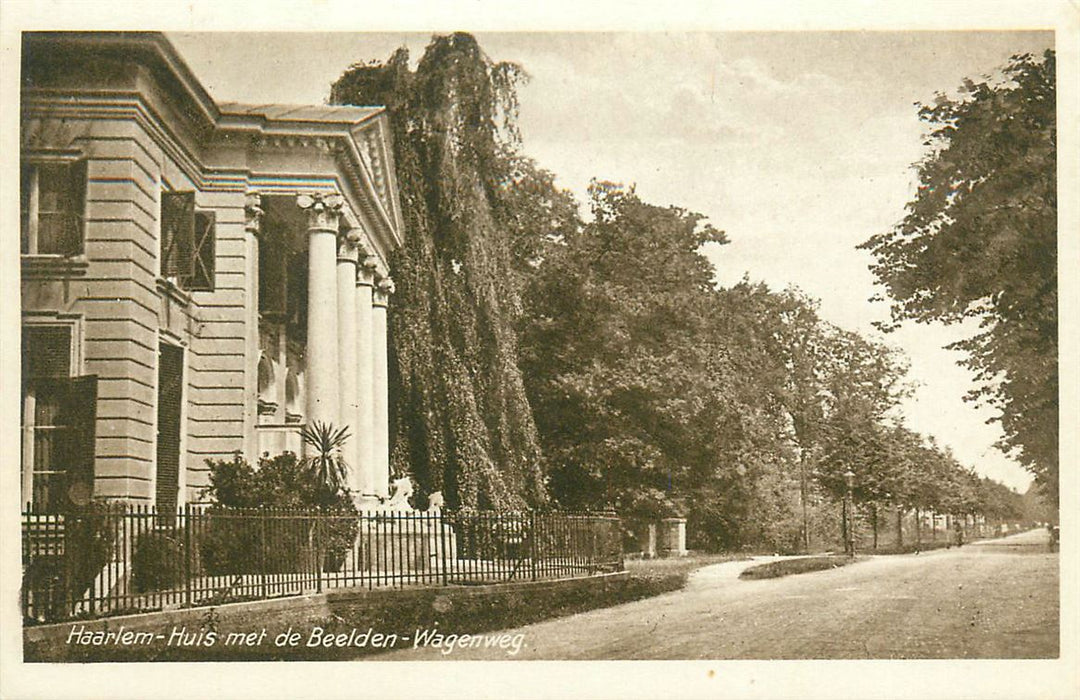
point(380, 403)
point(365, 363)
point(349, 395)
point(321, 357)
point(253, 213)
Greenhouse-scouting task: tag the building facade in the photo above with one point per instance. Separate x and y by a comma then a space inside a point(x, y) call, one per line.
point(198, 279)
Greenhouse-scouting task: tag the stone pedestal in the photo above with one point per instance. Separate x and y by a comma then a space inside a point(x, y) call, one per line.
point(404, 543)
point(673, 537)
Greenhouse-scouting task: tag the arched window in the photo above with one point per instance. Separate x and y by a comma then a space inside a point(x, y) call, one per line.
point(293, 410)
point(268, 405)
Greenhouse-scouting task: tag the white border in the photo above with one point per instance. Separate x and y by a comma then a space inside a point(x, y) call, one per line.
point(803, 679)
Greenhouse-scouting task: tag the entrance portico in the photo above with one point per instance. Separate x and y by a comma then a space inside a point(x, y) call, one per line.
point(322, 288)
point(334, 332)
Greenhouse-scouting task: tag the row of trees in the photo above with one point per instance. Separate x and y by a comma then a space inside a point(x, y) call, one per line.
point(979, 241)
point(540, 356)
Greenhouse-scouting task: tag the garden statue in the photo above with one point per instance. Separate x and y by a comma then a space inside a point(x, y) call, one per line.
point(399, 501)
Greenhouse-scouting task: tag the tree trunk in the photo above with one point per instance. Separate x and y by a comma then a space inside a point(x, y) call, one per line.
point(899, 526)
point(918, 526)
point(844, 524)
point(873, 519)
point(802, 494)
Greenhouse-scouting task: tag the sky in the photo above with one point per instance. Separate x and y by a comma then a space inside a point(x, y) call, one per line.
point(798, 144)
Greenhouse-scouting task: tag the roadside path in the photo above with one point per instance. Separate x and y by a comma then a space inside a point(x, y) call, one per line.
point(991, 599)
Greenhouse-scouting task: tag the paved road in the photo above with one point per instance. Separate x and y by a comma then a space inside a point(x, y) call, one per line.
point(997, 599)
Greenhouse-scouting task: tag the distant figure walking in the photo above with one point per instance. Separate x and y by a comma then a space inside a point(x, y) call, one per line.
point(958, 531)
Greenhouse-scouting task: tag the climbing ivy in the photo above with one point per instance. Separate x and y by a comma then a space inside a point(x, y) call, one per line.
point(460, 420)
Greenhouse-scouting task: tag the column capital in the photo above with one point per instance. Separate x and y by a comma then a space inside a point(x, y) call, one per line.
point(253, 212)
point(323, 209)
point(384, 287)
point(365, 269)
point(349, 246)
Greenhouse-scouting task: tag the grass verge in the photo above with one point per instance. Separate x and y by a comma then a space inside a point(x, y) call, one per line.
point(787, 567)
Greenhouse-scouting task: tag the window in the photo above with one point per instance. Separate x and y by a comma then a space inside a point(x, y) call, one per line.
point(53, 205)
point(187, 242)
point(170, 401)
point(58, 422)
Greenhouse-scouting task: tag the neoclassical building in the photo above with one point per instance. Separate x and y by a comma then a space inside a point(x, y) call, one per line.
point(198, 278)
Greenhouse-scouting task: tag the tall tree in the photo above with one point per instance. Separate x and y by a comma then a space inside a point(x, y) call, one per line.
point(613, 351)
point(460, 419)
point(980, 241)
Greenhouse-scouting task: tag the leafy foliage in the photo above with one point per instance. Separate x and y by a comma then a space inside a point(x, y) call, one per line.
point(326, 468)
point(279, 482)
point(233, 545)
point(980, 241)
point(461, 422)
point(522, 329)
point(157, 562)
point(609, 354)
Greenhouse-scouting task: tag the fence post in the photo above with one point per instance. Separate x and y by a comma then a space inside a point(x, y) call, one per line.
point(318, 550)
point(532, 544)
point(262, 551)
point(442, 541)
point(186, 515)
point(69, 593)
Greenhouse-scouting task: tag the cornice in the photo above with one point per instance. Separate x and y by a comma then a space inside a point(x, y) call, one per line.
point(126, 105)
point(154, 46)
point(361, 147)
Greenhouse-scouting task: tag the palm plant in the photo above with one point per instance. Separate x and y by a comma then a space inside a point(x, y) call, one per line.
point(326, 464)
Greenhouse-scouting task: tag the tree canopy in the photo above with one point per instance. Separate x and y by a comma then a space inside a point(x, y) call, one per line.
point(541, 355)
point(979, 241)
point(460, 419)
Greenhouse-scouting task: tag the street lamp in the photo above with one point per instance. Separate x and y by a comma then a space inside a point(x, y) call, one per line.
point(849, 515)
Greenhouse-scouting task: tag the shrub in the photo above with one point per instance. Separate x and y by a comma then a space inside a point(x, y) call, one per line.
point(159, 561)
point(262, 521)
point(802, 565)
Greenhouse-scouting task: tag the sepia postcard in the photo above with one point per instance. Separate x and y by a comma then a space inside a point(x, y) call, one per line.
point(609, 351)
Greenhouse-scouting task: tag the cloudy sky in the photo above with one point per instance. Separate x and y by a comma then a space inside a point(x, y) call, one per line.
point(798, 144)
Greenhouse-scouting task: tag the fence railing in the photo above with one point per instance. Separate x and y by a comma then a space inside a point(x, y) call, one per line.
point(113, 560)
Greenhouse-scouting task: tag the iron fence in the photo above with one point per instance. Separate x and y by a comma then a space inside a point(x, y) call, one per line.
point(110, 560)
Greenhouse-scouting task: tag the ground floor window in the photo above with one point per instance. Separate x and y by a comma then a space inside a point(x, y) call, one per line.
point(170, 398)
point(58, 418)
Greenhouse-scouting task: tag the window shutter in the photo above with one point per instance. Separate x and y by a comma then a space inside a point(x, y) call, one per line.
point(76, 205)
point(177, 234)
point(24, 206)
point(79, 412)
point(170, 393)
point(205, 253)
